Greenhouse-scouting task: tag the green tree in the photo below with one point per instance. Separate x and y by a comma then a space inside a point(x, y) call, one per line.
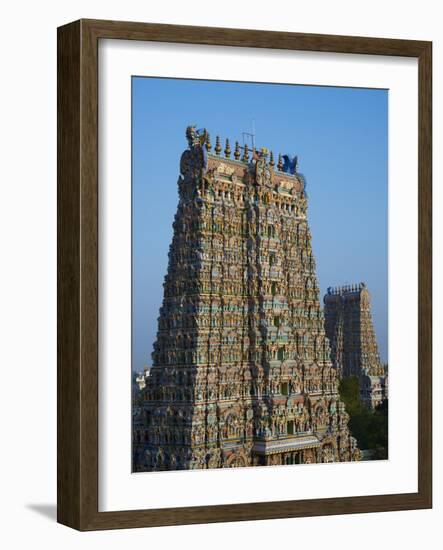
point(369, 427)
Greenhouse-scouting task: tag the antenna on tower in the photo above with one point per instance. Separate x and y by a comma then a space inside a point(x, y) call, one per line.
point(250, 136)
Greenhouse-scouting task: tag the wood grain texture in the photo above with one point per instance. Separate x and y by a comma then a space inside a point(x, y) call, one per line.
point(425, 273)
point(254, 38)
point(68, 275)
point(78, 274)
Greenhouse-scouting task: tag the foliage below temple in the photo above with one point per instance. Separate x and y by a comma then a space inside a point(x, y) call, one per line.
point(369, 427)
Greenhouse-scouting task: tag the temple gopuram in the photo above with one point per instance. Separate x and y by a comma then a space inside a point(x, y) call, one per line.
point(242, 372)
point(354, 349)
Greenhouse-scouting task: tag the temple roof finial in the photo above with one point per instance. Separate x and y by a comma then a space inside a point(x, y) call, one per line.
point(271, 160)
point(227, 149)
point(217, 145)
point(245, 157)
point(237, 151)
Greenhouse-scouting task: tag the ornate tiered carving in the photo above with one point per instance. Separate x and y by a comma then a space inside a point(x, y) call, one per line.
point(354, 350)
point(241, 371)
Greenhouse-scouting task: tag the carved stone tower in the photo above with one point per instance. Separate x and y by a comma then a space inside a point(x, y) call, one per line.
point(241, 373)
point(354, 350)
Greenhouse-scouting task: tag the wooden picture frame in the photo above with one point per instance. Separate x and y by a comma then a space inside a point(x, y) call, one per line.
point(78, 274)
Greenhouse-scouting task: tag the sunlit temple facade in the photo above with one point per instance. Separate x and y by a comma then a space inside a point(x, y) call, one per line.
point(354, 349)
point(242, 372)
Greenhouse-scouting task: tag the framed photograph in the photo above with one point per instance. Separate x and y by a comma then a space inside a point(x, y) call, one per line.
point(244, 275)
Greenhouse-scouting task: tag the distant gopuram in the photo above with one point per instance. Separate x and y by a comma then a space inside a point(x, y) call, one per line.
point(354, 350)
point(241, 374)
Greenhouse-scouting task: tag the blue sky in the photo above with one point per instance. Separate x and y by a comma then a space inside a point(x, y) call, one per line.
point(341, 138)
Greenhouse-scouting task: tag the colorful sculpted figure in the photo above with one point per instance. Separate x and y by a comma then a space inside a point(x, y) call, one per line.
point(290, 164)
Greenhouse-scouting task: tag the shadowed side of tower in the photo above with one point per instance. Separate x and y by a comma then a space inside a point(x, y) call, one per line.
point(241, 372)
